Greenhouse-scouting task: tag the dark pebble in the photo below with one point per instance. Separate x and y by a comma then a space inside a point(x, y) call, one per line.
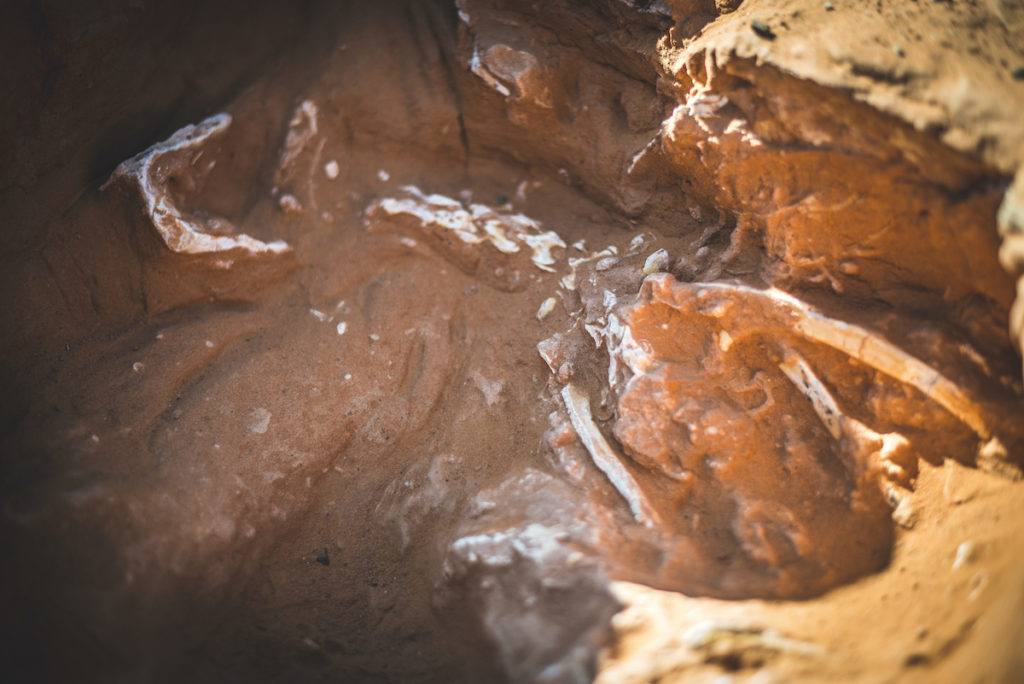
point(322, 558)
point(762, 29)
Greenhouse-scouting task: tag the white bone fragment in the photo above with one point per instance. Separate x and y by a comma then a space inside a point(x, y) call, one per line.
point(965, 553)
point(868, 348)
point(551, 361)
point(992, 457)
point(478, 68)
point(655, 262)
point(181, 235)
point(800, 374)
point(541, 245)
point(476, 224)
point(885, 447)
point(578, 405)
point(301, 130)
point(546, 307)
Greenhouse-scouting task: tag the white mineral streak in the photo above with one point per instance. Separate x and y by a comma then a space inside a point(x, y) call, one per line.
point(868, 348)
point(178, 233)
point(476, 224)
point(649, 148)
point(578, 405)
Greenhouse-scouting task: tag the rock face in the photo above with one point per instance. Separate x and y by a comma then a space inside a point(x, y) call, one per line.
point(541, 346)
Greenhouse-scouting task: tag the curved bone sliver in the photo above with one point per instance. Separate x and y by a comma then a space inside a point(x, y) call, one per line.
point(859, 343)
point(178, 233)
point(578, 405)
point(474, 224)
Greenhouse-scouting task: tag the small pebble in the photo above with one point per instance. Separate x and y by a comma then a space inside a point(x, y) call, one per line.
point(322, 557)
point(977, 584)
point(289, 204)
point(829, 7)
point(964, 555)
point(331, 169)
point(1018, 73)
point(905, 514)
point(546, 307)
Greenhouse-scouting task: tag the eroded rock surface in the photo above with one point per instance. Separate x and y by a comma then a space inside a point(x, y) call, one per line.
point(392, 364)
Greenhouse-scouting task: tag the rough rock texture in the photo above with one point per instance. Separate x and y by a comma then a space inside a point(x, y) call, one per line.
point(952, 73)
point(331, 362)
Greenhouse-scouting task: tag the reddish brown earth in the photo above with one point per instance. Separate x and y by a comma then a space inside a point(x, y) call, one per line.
point(495, 341)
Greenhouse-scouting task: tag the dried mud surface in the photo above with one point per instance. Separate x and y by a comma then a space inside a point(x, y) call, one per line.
point(497, 341)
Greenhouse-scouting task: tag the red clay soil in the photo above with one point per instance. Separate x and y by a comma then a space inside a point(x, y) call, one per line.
point(406, 341)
